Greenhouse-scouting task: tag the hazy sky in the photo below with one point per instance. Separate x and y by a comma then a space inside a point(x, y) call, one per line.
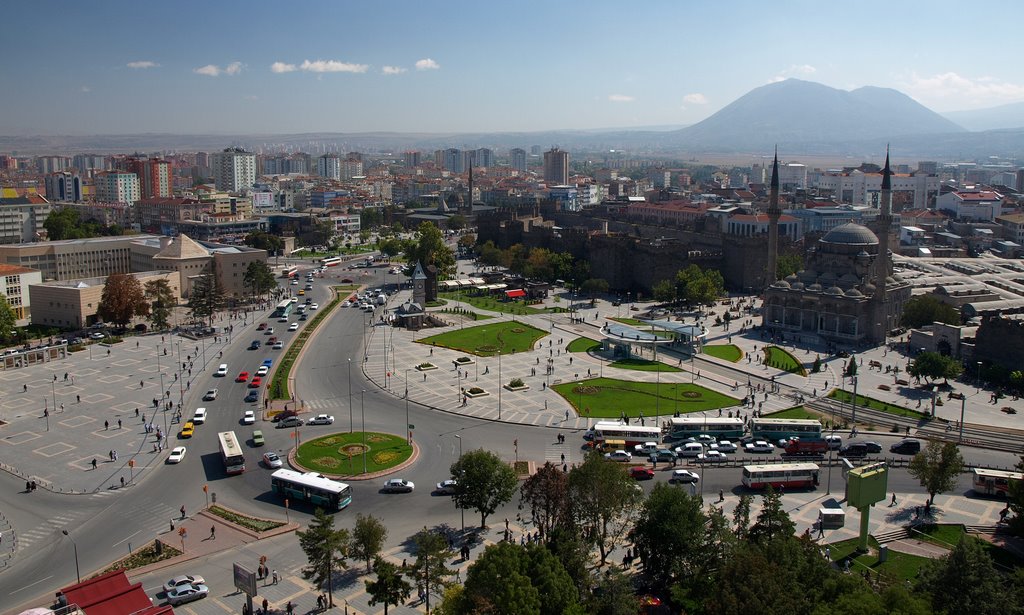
point(252, 66)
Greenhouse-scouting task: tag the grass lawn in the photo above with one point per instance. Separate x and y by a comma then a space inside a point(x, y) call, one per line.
point(782, 359)
point(874, 404)
point(796, 412)
point(726, 352)
point(342, 453)
point(494, 305)
point(643, 365)
point(632, 322)
point(488, 340)
point(583, 344)
point(898, 565)
point(949, 535)
point(610, 397)
point(467, 313)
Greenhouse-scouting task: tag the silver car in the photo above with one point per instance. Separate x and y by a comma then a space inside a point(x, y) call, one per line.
point(187, 593)
point(183, 579)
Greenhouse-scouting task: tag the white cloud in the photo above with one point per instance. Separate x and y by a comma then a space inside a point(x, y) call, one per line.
point(142, 64)
point(392, 70)
point(952, 91)
point(332, 66)
point(212, 70)
point(427, 64)
point(85, 88)
point(620, 98)
point(281, 67)
point(695, 99)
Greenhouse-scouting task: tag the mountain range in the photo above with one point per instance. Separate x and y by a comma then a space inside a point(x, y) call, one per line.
point(800, 117)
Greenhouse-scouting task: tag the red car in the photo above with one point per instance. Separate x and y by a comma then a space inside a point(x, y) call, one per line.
point(262, 326)
point(242, 377)
point(256, 383)
point(641, 473)
point(272, 339)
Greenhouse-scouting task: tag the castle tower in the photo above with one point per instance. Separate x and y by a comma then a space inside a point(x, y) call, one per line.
point(774, 213)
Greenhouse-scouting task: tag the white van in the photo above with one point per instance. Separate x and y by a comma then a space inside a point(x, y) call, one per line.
point(690, 449)
point(222, 370)
point(200, 416)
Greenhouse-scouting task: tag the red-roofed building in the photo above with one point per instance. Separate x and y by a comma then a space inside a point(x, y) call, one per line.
point(972, 205)
point(668, 212)
point(928, 219)
point(112, 594)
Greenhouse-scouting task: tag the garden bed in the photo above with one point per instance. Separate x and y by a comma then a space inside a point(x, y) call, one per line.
point(143, 557)
point(250, 523)
point(426, 367)
point(509, 387)
point(476, 392)
point(341, 454)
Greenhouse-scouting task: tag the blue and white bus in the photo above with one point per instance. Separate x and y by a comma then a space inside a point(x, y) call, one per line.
point(773, 430)
point(283, 309)
point(311, 487)
point(682, 427)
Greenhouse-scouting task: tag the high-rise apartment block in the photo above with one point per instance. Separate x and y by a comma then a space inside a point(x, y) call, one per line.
point(450, 160)
point(234, 169)
point(329, 166)
point(411, 159)
point(116, 187)
point(63, 186)
point(90, 164)
point(517, 159)
point(350, 168)
point(155, 177)
point(556, 167)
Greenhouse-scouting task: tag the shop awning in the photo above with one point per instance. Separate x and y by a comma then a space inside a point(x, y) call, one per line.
point(515, 293)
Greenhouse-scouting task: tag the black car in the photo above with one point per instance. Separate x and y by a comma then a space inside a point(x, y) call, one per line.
point(255, 345)
point(252, 396)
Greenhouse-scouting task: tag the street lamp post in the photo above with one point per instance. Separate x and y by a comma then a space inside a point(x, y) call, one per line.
point(459, 438)
point(963, 406)
point(499, 384)
point(408, 432)
point(853, 410)
point(351, 427)
point(362, 409)
point(53, 390)
point(78, 572)
point(979, 376)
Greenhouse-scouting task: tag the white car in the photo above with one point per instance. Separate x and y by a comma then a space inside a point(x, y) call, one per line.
point(200, 416)
point(712, 457)
point(398, 485)
point(222, 370)
point(295, 282)
point(619, 456)
point(447, 487)
point(724, 446)
point(321, 419)
point(646, 448)
point(210, 395)
point(346, 303)
point(834, 442)
point(293, 327)
point(760, 446)
point(313, 306)
point(684, 476)
point(263, 370)
point(96, 336)
point(249, 417)
point(272, 460)
point(282, 319)
point(177, 454)
point(278, 345)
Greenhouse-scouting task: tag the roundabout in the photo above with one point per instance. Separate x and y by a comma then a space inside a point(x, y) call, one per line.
point(354, 456)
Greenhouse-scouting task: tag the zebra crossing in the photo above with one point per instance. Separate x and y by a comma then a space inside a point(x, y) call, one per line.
point(46, 530)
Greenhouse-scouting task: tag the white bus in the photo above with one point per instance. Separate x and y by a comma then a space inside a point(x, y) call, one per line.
point(773, 430)
point(630, 434)
point(231, 453)
point(995, 482)
point(289, 272)
point(311, 487)
point(788, 475)
point(332, 261)
point(683, 427)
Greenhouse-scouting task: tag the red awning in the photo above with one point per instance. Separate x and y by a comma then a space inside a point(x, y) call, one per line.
point(515, 293)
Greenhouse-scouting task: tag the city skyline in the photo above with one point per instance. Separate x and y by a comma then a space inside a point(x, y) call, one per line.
point(234, 67)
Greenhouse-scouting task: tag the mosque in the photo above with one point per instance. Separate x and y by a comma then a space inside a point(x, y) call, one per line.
point(847, 294)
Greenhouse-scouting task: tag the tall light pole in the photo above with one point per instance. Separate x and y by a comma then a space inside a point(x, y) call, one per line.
point(499, 383)
point(78, 573)
point(459, 438)
point(351, 427)
point(408, 431)
point(362, 409)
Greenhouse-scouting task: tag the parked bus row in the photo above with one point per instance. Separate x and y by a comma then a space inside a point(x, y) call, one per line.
point(716, 429)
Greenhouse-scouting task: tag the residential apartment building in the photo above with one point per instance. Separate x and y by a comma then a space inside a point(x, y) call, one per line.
point(90, 164)
point(351, 168)
point(117, 187)
point(916, 191)
point(16, 289)
point(155, 177)
point(556, 166)
point(1013, 227)
point(162, 214)
point(517, 159)
point(976, 205)
point(234, 169)
point(329, 166)
point(63, 186)
point(107, 214)
point(22, 218)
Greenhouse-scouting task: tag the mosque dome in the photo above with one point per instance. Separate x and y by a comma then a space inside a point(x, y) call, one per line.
point(850, 234)
point(835, 290)
point(853, 292)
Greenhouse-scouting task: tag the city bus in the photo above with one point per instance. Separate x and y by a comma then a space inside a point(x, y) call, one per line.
point(630, 434)
point(682, 427)
point(290, 272)
point(332, 261)
point(231, 453)
point(995, 482)
point(788, 475)
point(283, 309)
point(311, 487)
point(773, 430)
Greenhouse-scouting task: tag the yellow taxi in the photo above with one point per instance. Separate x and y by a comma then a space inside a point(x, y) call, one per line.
point(187, 429)
point(301, 292)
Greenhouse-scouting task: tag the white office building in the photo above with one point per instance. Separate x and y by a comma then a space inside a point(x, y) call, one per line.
point(234, 169)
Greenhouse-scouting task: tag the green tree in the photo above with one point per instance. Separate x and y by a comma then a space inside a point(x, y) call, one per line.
point(457, 222)
point(430, 569)
point(924, 310)
point(7, 319)
point(206, 297)
point(466, 242)
point(122, 299)
point(364, 236)
point(368, 536)
point(932, 365)
point(499, 582)
point(594, 286)
point(602, 496)
point(613, 594)
point(258, 278)
point(326, 549)
point(1016, 503)
point(161, 302)
point(788, 264)
point(699, 286)
point(64, 223)
point(664, 291)
point(773, 521)
point(390, 588)
point(262, 240)
point(851, 368)
point(545, 495)
point(370, 217)
point(566, 543)
point(484, 482)
point(965, 581)
point(489, 254)
point(430, 248)
point(392, 246)
point(741, 517)
point(669, 535)
point(937, 467)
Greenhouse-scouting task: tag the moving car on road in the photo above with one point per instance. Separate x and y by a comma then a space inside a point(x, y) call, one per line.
point(398, 485)
point(177, 454)
point(447, 487)
point(321, 419)
point(684, 477)
point(187, 593)
point(210, 395)
point(187, 430)
point(182, 580)
point(248, 417)
point(759, 446)
point(712, 457)
point(641, 473)
point(272, 460)
point(242, 377)
point(618, 456)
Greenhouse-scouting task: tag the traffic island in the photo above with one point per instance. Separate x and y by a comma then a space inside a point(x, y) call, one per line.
point(354, 456)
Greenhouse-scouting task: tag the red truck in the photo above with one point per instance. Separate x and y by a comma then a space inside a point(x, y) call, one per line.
point(797, 446)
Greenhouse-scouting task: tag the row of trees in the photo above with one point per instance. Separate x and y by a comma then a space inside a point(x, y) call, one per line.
point(692, 286)
point(67, 224)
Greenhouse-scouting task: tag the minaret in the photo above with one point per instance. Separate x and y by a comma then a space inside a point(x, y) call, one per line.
point(470, 201)
point(882, 265)
point(773, 224)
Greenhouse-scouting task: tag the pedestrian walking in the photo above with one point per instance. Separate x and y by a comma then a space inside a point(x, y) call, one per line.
point(122, 481)
point(266, 606)
point(119, 423)
point(274, 577)
point(182, 509)
point(93, 463)
point(106, 425)
point(893, 502)
point(213, 532)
